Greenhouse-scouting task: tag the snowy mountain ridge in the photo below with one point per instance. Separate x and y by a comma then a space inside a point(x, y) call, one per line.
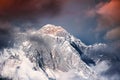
point(50, 53)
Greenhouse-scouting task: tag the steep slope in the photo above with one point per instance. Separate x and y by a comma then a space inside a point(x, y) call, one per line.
point(46, 54)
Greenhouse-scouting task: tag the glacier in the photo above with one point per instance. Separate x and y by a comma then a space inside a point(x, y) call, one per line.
point(50, 53)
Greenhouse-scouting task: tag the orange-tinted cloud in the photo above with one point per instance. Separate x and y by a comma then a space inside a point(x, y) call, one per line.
point(111, 10)
point(109, 14)
point(109, 19)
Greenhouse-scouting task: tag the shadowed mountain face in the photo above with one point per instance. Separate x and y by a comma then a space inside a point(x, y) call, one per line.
point(47, 54)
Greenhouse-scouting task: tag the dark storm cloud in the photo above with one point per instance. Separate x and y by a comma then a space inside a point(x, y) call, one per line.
point(113, 56)
point(5, 34)
point(109, 55)
point(13, 8)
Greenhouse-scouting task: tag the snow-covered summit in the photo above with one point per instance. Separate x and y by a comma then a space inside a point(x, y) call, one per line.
point(52, 30)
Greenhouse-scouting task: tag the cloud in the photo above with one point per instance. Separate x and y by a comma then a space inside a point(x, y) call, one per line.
point(113, 34)
point(28, 8)
point(70, 75)
point(79, 17)
point(109, 14)
point(36, 13)
point(67, 13)
point(6, 34)
point(107, 19)
point(22, 12)
point(107, 57)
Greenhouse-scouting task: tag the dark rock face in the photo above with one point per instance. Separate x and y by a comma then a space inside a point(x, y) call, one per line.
point(84, 57)
point(44, 55)
point(5, 79)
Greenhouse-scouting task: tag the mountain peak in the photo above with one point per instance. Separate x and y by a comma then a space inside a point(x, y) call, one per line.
point(46, 53)
point(53, 30)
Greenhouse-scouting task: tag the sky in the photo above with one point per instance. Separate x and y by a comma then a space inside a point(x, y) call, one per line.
point(92, 21)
